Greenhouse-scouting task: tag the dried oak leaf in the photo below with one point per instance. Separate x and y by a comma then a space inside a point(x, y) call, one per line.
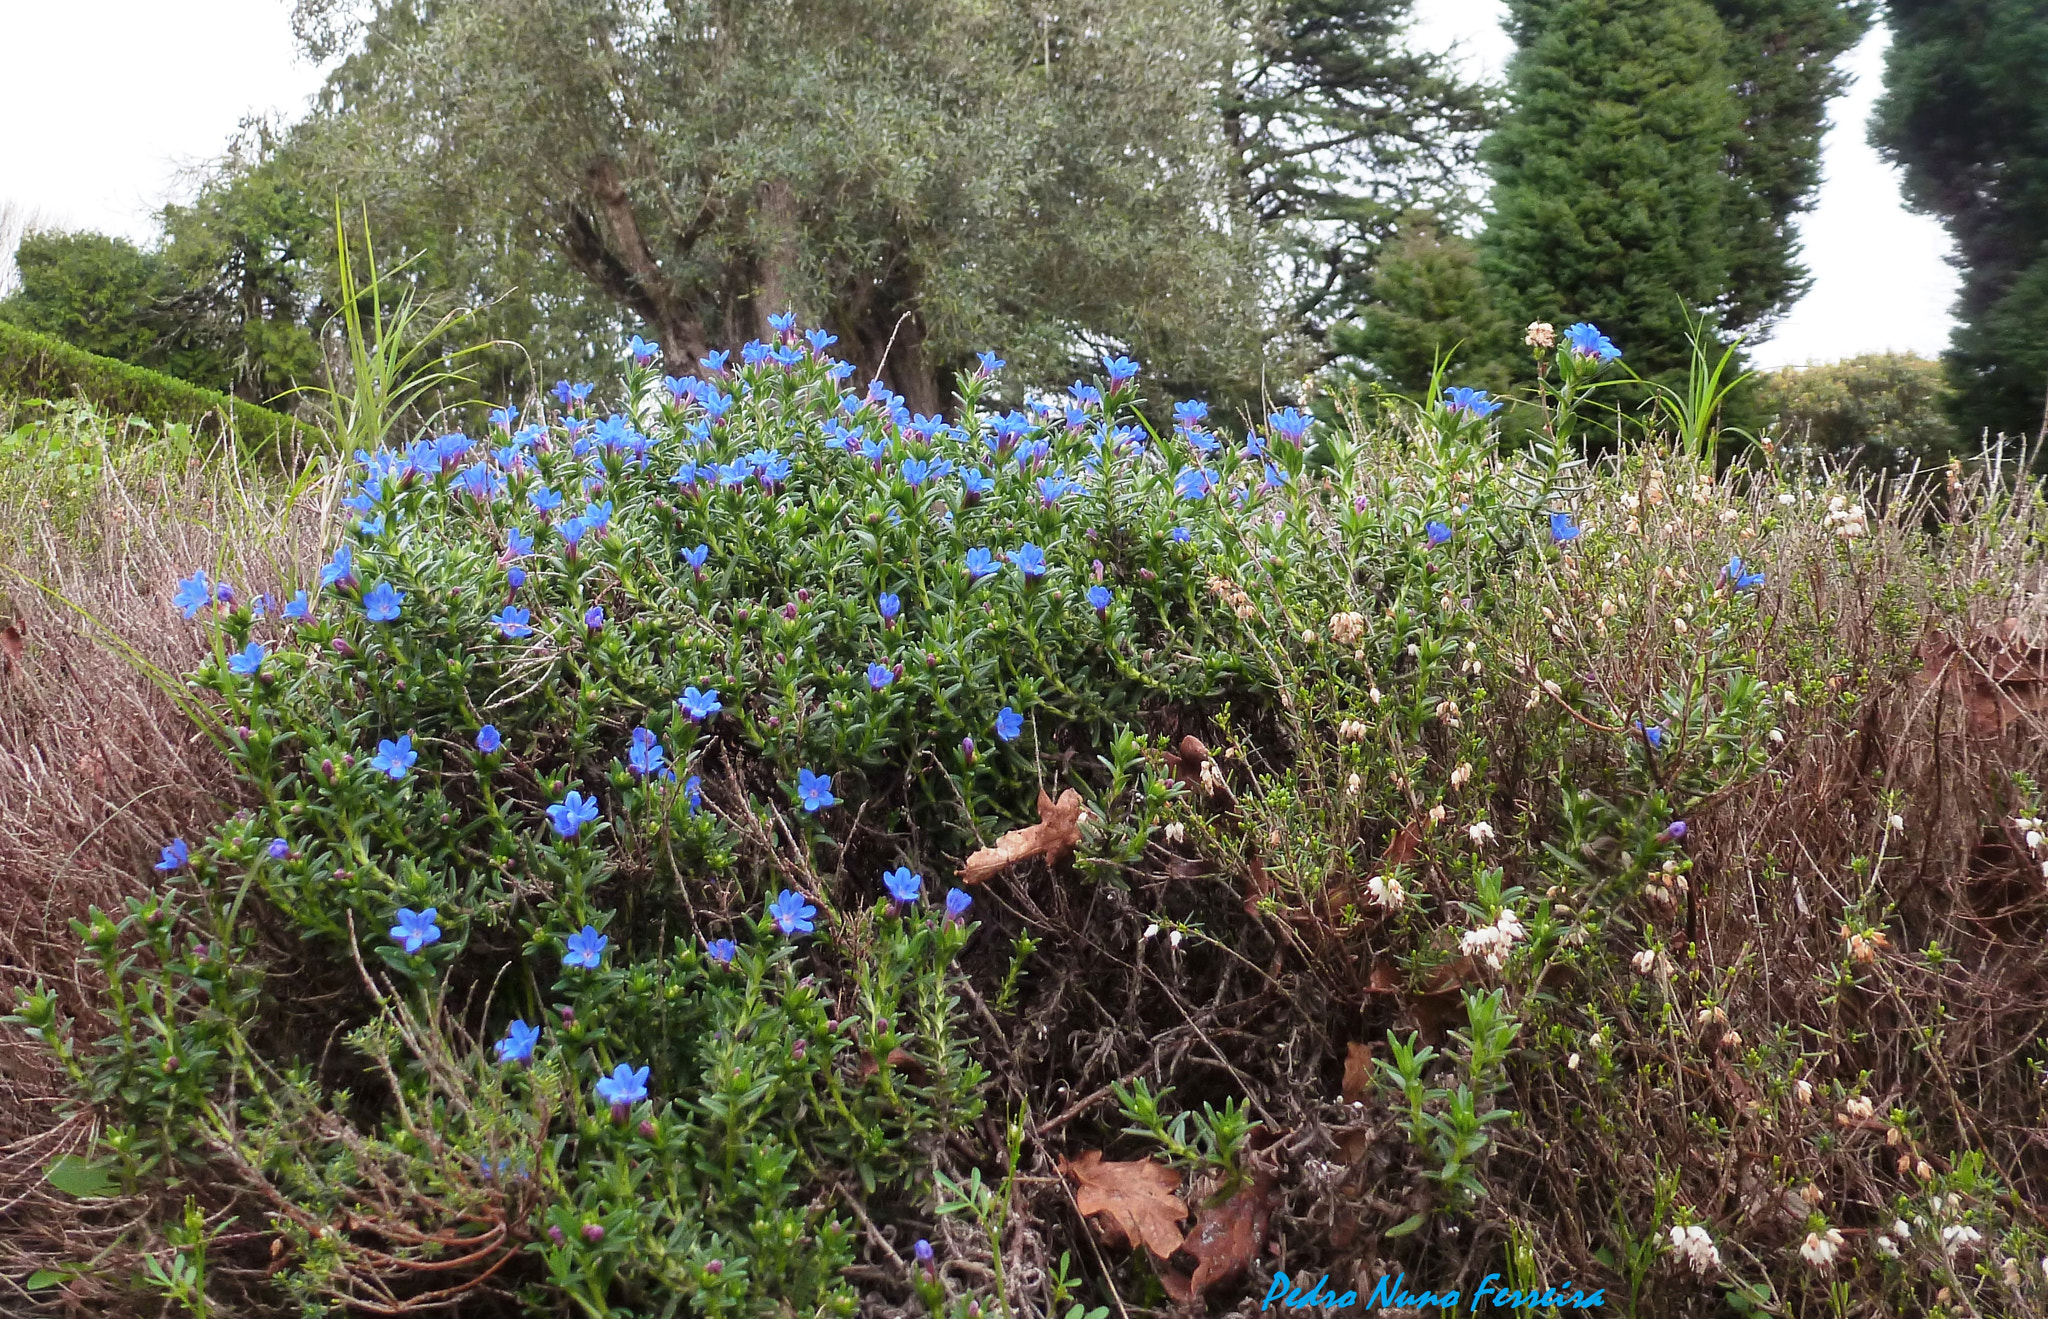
point(1226, 1238)
point(1135, 1200)
point(1357, 1071)
point(1055, 836)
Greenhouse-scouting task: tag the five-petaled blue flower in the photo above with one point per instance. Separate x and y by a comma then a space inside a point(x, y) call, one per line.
point(381, 603)
point(248, 661)
point(1119, 370)
point(1098, 599)
point(903, 886)
point(915, 471)
point(194, 594)
point(487, 739)
point(571, 813)
point(395, 759)
point(1193, 483)
point(1653, 734)
point(647, 758)
point(693, 792)
point(175, 856)
point(695, 558)
point(1437, 532)
point(957, 904)
point(1030, 560)
point(513, 622)
point(593, 617)
point(1475, 402)
point(1008, 724)
point(1742, 581)
point(990, 363)
point(1290, 424)
point(791, 914)
point(643, 350)
point(980, 563)
point(1190, 412)
point(699, 706)
point(626, 1086)
point(814, 791)
point(415, 929)
point(721, 951)
point(279, 849)
point(298, 608)
point(517, 1046)
point(880, 676)
point(586, 949)
point(889, 606)
point(1586, 340)
point(1562, 528)
point(340, 570)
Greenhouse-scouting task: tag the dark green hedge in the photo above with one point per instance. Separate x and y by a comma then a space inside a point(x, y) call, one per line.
point(38, 366)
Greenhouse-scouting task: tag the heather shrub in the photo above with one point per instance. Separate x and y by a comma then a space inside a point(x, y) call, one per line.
point(754, 849)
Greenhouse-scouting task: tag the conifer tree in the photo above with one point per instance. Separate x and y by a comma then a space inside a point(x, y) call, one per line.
point(1965, 112)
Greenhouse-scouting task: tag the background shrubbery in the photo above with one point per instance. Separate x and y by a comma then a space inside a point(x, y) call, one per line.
point(1470, 867)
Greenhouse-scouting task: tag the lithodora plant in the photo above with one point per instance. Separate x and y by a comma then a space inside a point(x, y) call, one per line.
point(598, 772)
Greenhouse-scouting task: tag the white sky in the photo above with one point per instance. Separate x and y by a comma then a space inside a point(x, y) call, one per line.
point(111, 103)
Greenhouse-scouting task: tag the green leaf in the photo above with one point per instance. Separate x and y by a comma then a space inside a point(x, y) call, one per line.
point(42, 1278)
point(1407, 1225)
point(81, 1178)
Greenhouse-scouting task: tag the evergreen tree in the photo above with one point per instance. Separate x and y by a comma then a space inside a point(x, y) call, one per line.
point(1610, 200)
point(109, 297)
point(1965, 112)
point(1782, 56)
point(1428, 300)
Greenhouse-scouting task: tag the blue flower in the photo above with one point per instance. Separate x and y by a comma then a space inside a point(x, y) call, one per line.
point(1653, 734)
point(248, 661)
point(715, 362)
point(279, 849)
point(697, 557)
point(814, 791)
point(1290, 424)
point(820, 340)
point(980, 564)
point(1190, 412)
point(721, 951)
point(372, 527)
point(915, 470)
point(1052, 488)
point(299, 607)
point(643, 350)
point(517, 1046)
point(1008, 724)
point(1084, 394)
point(487, 739)
point(624, 1087)
point(976, 483)
point(699, 706)
point(782, 322)
point(957, 904)
point(503, 417)
point(647, 758)
point(586, 949)
point(1562, 528)
point(175, 856)
point(1437, 532)
point(543, 499)
point(1182, 535)
point(693, 792)
point(1587, 341)
point(1030, 560)
point(1741, 580)
point(1474, 402)
point(415, 929)
point(902, 885)
point(513, 622)
point(395, 759)
point(880, 676)
point(1098, 599)
point(515, 578)
point(517, 544)
point(990, 363)
point(571, 813)
point(1194, 483)
point(889, 606)
point(381, 603)
point(1119, 370)
point(194, 594)
point(1275, 478)
point(791, 914)
point(774, 470)
point(593, 617)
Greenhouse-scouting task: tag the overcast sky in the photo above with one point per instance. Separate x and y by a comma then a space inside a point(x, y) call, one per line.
point(127, 97)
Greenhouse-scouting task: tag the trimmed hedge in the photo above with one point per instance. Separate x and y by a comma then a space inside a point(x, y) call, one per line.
point(39, 366)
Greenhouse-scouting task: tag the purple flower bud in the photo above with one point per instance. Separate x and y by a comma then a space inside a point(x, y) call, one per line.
point(555, 1234)
point(568, 1014)
point(923, 1251)
point(593, 617)
point(593, 1232)
point(341, 647)
point(646, 1130)
point(796, 1050)
point(1673, 831)
point(715, 1267)
point(967, 749)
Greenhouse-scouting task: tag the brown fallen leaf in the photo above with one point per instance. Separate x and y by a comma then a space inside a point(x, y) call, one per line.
point(1134, 1200)
point(1401, 847)
point(1999, 678)
point(10, 643)
point(1226, 1238)
point(1054, 837)
point(1357, 1071)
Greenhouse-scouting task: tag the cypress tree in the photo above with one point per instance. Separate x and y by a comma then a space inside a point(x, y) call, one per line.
point(1611, 200)
point(1965, 113)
